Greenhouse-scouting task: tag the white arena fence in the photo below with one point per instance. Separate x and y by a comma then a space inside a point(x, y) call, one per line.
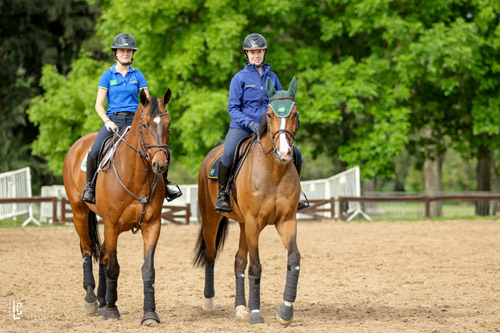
point(346, 183)
point(46, 207)
point(16, 184)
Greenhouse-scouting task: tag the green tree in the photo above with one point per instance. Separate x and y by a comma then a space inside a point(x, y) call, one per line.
point(32, 33)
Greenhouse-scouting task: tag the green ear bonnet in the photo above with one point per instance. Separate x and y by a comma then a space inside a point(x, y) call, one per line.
point(281, 107)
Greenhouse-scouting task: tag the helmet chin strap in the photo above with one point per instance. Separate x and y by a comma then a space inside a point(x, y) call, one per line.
point(125, 63)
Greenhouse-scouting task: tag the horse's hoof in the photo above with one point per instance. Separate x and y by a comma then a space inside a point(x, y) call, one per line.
point(285, 314)
point(208, 305)
point(241, 312)
point(111, 313)
point(150, 318)
point(101, 309)
point(90, 308)
point(256, 318)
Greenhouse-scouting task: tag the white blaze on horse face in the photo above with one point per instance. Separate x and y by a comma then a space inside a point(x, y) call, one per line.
point(157, 119)
point(284, 146)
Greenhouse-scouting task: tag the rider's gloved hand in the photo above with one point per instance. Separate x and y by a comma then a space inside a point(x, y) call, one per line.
point(253, 126)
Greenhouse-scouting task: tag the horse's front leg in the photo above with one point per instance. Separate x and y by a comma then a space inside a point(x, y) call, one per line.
point(252, 232)
point(288, 233)
point(240, 264)
point(150, 235)
point(112, 272)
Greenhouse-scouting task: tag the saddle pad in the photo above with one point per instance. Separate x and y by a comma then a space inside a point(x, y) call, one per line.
point(213, 172)
point(83, 167)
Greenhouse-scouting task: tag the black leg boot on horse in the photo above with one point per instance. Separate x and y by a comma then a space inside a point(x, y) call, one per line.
point(170, 194)
point(89, 190)
point(223, 203)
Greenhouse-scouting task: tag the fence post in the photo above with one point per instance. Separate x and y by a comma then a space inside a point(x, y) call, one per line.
point(332, 208)
point(427, 207)
point(54, 210)
point(188, 213)
point(341, 210)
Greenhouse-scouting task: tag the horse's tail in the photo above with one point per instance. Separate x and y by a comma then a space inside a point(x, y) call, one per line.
point(94, 236)
point(201, 248)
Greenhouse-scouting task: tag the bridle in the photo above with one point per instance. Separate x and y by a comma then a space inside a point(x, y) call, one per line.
point(145, 146)
point(290, 136)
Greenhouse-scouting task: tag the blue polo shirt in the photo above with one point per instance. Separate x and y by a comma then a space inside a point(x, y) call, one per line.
point(122, 92)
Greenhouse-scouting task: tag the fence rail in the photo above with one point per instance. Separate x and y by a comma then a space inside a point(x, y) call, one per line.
point(427, 199)
point(319, 209)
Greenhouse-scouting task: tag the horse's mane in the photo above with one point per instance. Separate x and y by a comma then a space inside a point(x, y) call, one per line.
point(262, 126)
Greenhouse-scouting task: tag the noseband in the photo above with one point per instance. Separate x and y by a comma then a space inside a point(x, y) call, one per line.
point(145, 146)
point(290, 136)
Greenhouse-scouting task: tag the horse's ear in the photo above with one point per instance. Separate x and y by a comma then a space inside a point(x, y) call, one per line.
point(270, 88)
point(167, 96)
point(292, 90)
point(143, 97)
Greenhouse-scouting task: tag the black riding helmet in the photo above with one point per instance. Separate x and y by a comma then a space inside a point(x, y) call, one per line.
point(254, 42)
point(124, 41)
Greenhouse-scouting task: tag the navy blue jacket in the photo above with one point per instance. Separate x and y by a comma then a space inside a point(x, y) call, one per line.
point(248, 95)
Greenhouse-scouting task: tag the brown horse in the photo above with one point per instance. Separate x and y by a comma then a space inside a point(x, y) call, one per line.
point(265, 192)
point(128, 198)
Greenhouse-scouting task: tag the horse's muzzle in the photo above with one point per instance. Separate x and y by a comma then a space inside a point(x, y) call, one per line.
point(158, 168)
point(283, 156)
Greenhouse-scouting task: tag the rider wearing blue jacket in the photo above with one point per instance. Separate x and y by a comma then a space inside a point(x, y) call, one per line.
point(247, 104)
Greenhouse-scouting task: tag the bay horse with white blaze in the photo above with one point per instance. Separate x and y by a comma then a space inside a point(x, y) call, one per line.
point(266, 191)
point(129, 198)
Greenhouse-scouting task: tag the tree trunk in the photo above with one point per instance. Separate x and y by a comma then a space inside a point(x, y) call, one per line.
point(432, 171)
point(495, 186)
point(483, 178)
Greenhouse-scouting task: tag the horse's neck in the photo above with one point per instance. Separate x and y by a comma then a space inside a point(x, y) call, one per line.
point(130, 159)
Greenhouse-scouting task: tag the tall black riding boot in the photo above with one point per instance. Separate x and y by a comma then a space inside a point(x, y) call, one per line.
point(302, 204)
point(170, 194)
point(89, 190)
point(223, 203)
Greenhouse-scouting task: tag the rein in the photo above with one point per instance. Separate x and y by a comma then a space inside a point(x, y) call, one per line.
point(142, 155)
point(289, 135)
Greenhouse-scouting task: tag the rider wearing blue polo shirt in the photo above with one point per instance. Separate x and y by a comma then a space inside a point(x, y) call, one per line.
point(247, 105)
point(120, 85)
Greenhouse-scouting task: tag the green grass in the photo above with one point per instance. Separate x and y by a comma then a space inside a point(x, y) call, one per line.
point(17, 223)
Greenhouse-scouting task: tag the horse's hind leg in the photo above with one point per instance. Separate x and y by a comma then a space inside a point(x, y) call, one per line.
point(150, 236)
point(112, 273)
point(288, 233)
point(80, 219)
point(240, 264)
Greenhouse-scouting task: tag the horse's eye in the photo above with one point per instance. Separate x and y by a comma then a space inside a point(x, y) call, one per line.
point(144, 126)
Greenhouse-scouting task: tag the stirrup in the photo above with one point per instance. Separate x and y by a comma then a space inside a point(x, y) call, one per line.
point(223, 203)
point(172, 194)
point(302, 204)
point(88, 194)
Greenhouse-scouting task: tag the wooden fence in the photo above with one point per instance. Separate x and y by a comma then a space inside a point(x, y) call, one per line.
point(315, 212)
point(427, 199)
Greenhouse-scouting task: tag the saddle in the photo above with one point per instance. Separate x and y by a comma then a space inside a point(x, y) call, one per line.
point(106, 152)
point(240, 155)
point(108, 149)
